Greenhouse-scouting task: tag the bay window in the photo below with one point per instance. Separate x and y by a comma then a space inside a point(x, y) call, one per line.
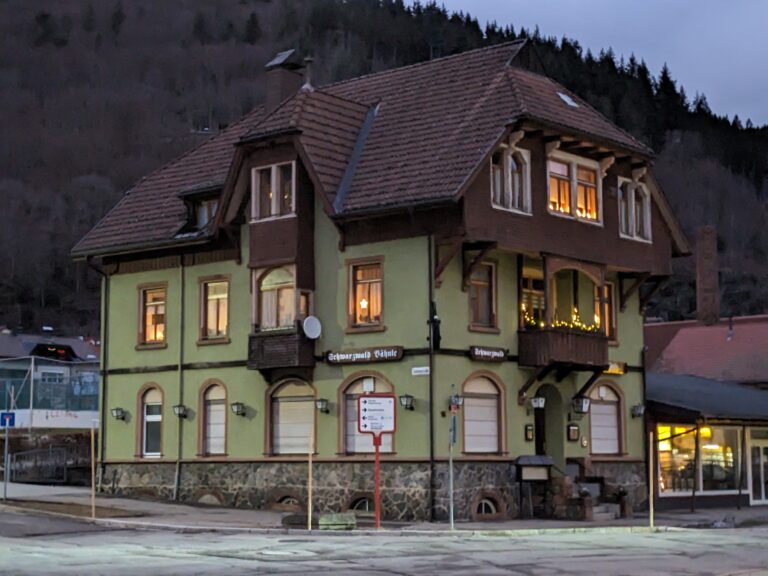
point(279, 304)
point(273, 190)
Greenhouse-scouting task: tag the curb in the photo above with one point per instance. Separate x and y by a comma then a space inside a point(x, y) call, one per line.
point(459, 533)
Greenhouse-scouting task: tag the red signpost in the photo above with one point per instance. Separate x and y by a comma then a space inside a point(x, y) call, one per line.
point(376, 415)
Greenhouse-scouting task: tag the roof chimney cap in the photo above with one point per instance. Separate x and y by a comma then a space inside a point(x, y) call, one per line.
point(286, 59)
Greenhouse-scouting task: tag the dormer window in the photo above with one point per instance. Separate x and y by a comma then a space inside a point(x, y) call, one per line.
point(510, 180)
point(273, 191)
point(634, 210)
point(205, 211)
point(575, 187)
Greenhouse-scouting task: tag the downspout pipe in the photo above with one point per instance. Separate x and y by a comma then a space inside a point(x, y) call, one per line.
point(104, 365)
point(180, 443)
point(430, 322)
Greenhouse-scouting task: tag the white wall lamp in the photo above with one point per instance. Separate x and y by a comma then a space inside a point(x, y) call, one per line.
point(118, 413)
point(238, 408)
point(638, 410)
point(406, 401)
point(580, 404)
point(322, 405)
point(180, 410)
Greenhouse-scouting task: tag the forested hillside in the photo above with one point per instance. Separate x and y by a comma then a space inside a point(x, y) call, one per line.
point(96, 94)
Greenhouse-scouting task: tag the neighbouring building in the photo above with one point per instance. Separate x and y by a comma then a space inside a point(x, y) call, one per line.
point(50, 382)
point(707, 395)
point(461, 226)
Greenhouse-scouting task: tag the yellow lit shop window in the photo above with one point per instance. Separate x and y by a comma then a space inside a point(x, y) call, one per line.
point(663, 433)
point(705, 432)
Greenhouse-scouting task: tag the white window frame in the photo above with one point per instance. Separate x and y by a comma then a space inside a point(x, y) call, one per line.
point(150, 418)
point(255, 205)
point(574, 162)
point(506, 151)
point(634, 186)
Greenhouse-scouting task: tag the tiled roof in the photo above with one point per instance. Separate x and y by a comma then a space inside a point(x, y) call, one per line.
point(151, 211)
point(729, 351)
point(437, 120)
point(434, 123)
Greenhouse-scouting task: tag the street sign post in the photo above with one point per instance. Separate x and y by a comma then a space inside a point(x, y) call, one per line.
point(376, 416)
point(7, 419)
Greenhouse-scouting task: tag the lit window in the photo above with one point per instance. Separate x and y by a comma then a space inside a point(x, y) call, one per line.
point(481, 416)
point(533, 305)
point(677, 457)
point(151, 422)
point(482, 297)
point(605, 312)
point(586, 193)
point(273, 191)
point(292, 418)
point(559, 187)
point(366, 294)
point(215, 309)
point(214, 420)
point(354, 441)
point(153, 315)
point(575, 187)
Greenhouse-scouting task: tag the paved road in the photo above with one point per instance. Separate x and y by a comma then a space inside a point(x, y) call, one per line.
point(31, 544)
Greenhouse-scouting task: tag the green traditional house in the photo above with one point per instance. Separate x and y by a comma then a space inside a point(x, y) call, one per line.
point(464, 231)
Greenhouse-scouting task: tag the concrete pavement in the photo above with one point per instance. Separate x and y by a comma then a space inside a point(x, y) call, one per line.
point(170, 516)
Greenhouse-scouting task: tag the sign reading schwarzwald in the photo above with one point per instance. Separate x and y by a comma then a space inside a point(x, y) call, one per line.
point(365, 355)
point(487, 354)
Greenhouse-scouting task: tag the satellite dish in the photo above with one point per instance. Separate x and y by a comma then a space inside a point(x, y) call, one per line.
point(312, 327)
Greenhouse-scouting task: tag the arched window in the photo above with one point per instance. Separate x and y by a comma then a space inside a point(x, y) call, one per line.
point(354, 441)
point(642, 213)
point(605, 420)
point(625, 195)
point(214, 420)
point(481, 416)
point(151, 422)
point(517, 182)
point(293, 418)
point(510, 177)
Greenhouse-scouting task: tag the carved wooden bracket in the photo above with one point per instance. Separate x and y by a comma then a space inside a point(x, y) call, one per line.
point(658, 282)
point(551, 146)
point(625, 295)
point(584, 390)
point(470, 267)
point(515, 137)
point(442, 263)
point(605, 165)
point(537, 376)
point(638, 173)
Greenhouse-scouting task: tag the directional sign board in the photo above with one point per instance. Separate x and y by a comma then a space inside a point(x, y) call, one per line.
point(7, 419)
point(376, 414)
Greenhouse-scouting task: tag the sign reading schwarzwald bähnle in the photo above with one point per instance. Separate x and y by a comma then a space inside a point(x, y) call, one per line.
point(365, 355)
point(487, 354)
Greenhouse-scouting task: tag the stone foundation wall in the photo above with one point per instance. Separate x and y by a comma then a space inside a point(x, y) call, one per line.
point(627, 476)
point(337, 485)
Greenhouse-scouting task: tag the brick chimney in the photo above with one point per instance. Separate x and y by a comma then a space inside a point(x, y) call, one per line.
point(284, 78)
point(707, 280)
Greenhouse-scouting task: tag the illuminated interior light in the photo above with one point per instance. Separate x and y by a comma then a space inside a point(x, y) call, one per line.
point(364, 304)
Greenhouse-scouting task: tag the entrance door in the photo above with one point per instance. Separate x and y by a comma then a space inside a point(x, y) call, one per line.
point(759, 466)
point(540, 430)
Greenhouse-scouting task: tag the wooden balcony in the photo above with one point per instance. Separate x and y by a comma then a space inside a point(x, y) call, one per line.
point(273, 349)
point(547, 346)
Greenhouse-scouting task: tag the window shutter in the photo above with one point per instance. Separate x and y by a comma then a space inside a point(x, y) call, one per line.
point(481, 424)
point(604, 424)
point(292, 421)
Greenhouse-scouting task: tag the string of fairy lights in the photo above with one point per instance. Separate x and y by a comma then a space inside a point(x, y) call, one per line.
point(575, 323)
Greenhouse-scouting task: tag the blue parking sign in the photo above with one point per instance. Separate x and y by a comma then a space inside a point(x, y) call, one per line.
point(7, 419)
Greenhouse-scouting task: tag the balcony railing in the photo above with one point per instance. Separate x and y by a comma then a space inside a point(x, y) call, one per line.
point(545, 346)
point(270, 349)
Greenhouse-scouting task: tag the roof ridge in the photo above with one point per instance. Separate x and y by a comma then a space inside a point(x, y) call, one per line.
point(424, 63)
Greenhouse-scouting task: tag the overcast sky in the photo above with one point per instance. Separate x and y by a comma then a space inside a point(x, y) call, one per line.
point(715, 47)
